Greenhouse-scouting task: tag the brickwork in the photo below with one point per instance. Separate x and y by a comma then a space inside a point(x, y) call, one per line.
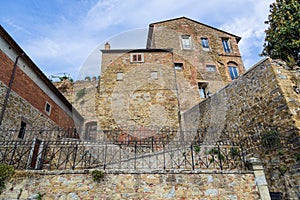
point(134, 186)
point(29, 91)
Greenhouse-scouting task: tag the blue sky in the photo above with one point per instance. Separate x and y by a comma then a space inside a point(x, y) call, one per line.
point(63, 36)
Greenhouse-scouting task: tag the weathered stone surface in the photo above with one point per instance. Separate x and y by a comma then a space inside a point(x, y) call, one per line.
point(134, 186)
point(248, 108)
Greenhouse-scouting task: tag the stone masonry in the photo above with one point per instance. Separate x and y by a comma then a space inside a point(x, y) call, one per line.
point(231, 185)
point(263, 101)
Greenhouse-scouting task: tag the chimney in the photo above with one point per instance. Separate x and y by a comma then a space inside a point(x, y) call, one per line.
point(107, 46)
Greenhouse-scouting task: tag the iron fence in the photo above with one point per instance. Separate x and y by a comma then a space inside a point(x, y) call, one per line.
point(139, 150)
point(157, 155)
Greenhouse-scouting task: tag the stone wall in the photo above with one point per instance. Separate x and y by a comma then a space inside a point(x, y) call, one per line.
point(17, 110)
point(262, 102)
point(82, 95)
point(143, 97)
point(167, 34)
point(116, 185)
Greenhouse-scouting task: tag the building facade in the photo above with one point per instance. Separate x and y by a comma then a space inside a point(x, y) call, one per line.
point(184, 62)
point(30, 104)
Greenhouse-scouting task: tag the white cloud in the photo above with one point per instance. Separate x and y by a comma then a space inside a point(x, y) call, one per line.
point(66, 43)
point(251, 28)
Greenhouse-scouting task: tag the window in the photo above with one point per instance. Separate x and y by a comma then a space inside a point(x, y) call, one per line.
point(137, 57)
point(233, 72)
point(226, 45)
point(211, 68)
point(205, 45)
point(154, 75)
point(48, 108)
point(202, 87)
point(186, 42)
point(119, 76)
point(178, 66)
point(22, 130)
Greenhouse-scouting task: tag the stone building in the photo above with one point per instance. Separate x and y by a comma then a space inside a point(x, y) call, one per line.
point(31, 106)
point(184, 63)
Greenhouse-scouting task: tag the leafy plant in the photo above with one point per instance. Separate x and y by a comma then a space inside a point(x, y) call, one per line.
point(6, 171)
point(234, 152)
point(283, 170)
point(297, 157)
point(197, 149)
point(215, 151)
point(270, 139)
point(40, 196)
point(98, 175)
point(80, 93)
point(280, 152)
point(282, 35)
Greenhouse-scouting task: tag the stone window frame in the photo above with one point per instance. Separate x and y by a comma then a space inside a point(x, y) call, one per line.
point(178, 66)
point(154, 75)
point(209, 67)
point(23, 125)
point(233, 70)
point(203, 89)
point(48, 111)
point(136, 57)
point(119, 76)
point(186, 42)
point(226, 44)
point(205, 45)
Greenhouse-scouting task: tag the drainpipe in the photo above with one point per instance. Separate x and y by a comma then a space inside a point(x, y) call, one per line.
point(9, 88)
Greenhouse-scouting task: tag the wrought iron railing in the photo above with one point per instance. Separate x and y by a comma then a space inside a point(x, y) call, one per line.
point(136, 155)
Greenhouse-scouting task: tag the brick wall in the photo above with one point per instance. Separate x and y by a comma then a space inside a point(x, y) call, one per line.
point(27, 89)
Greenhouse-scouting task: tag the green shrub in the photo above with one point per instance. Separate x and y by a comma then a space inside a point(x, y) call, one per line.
point(80, 93)
point(215, 151)
point(6, 171)
point(234, 152)
point(270, 139)
point(197, 149)
point(297, 157)
point(98, 175)
point(283, 170)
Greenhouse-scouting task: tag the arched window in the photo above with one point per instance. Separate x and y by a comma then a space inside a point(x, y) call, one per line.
point(91, 130)
point(233, 70)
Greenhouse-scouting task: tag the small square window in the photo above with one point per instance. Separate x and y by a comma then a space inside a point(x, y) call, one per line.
point(178, 66)
point(119, 76)
point(48, 108)
point(211, 68)
point(137, 57)
point(226, 45)
point(205, 45)
point(186, 42)
point(154, 75)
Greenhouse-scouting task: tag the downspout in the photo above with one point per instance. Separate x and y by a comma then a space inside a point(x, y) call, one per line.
point(9, 88)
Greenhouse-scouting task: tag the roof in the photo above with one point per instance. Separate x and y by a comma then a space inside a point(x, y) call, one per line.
point(134, 50)
point(35, 68)
point(238, 38)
